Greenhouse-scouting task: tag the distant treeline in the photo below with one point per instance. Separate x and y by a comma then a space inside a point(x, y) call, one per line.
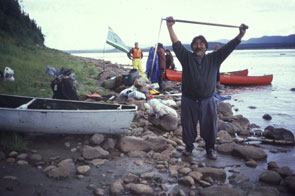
point(211, 46)
point(16, 24)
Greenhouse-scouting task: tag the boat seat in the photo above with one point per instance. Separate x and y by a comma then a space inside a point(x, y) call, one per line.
point(26, 105)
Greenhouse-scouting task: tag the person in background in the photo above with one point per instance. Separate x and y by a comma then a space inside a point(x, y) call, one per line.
point(199, 72)
point(169, 60)
point(136, 55)
point(162, 65)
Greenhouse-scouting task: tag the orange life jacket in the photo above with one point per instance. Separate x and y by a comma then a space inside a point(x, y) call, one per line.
point(136, 53)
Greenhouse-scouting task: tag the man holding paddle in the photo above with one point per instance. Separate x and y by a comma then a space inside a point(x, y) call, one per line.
point(199, 72)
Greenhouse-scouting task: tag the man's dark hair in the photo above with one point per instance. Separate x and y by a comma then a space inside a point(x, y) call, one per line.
point(203, 40)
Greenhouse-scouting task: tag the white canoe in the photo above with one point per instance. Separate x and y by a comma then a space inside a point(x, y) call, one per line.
point(41, 115)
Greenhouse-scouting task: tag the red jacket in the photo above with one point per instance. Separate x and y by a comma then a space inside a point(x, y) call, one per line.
point(162, 58)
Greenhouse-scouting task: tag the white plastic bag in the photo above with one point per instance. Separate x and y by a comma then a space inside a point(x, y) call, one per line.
point(160, 109)
point(8, 74)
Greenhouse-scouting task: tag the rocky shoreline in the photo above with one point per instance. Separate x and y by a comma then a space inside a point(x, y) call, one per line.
point(147, 160)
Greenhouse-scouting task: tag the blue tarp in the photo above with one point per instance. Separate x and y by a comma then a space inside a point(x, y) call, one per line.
point(154, 77)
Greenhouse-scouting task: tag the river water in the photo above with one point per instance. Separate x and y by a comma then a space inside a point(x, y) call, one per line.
point(276, 99)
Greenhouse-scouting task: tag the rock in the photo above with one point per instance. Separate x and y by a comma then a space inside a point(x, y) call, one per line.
point(96, 162)
point(292, 89)
point(138, 103)
point(225, 108)
point(141, 189)
point(131, 143)
point(284, 171)
point(11, 160)
point(35, 158)
point(197, 176)
point(99, 192)
point(65, 168)
point(117, 189)
point(290, 182)
point(243, 122)
point(223, 190)
point(278, 134)
point(12, 154)
point(228, 127)
point(187, 181)
point(137, 154)
point(178, 131)
point(204, 183)
point(168, 122)
point(272, 165)
point(96, 139)
point(267, 117)
point(263, 191)
point(238, 179)
point(147, 176)
point(249, 152)
point(67, 144)
point(251, 163)
point(215, 173)
point(181, 192)
point(131, 178)
point(89, 152)
point(84, 169)
point(22, 156)
point(226, 148)
point(109, 144)
point(184, 170)
point(173, 170)
point(22, 162)
point(48, 168)
point(224, 137)
point(270, 177)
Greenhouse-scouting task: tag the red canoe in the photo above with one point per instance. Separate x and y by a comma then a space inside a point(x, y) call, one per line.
point(176, 75)
point(245, 80)
point(236, 73)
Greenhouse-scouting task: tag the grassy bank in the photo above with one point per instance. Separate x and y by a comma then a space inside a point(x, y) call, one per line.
point(29, 64)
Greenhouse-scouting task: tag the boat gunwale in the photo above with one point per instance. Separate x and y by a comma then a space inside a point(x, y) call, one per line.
point(69, 111)
point(119, 106)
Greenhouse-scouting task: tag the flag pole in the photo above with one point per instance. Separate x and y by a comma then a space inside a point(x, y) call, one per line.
point(156, 48)
point(205, 23)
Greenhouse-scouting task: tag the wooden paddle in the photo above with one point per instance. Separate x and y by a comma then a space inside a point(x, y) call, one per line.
point(205, 23)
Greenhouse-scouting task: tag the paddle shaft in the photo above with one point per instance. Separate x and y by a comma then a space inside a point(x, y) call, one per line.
point(204, 23)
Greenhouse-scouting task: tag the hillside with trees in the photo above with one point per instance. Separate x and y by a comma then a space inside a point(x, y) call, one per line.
point(17, 25)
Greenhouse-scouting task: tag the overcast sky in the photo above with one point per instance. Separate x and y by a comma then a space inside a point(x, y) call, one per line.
point(83, 24)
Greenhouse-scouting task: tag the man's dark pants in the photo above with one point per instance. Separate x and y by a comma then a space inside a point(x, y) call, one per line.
point(200, 110)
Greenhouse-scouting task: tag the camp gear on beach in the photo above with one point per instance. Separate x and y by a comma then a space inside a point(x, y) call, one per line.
point(129, 77)
point(63, 116)
point(8, 74)
point(133, 92)
point(63, 88)
point(205, 23)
